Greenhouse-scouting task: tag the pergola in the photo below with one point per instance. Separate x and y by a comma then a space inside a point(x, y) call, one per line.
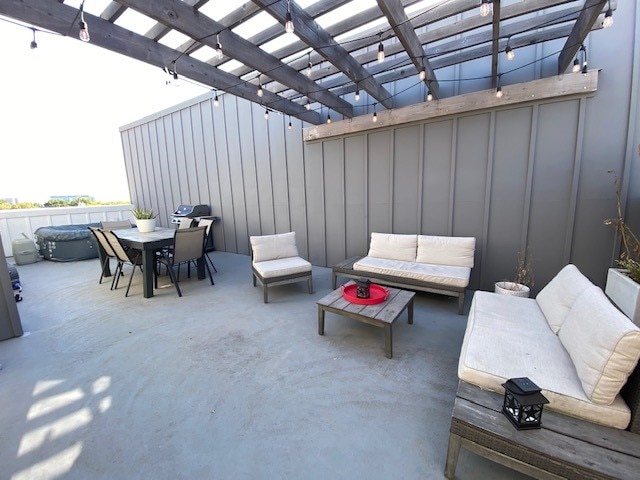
point(330, 47)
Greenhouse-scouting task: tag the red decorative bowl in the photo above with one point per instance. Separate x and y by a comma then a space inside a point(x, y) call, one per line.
point(377, 294)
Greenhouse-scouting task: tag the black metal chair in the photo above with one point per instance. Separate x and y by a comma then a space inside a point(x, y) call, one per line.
point(207, 223)
point(188, 245)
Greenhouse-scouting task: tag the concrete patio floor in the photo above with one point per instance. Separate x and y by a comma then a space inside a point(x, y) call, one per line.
point(218, 385)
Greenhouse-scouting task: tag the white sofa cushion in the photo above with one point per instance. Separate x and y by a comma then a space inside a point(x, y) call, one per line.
point(440, 274)
point(603, 344)
point(393, 246)
point(454, 251)
point(508, 337)
point(282, 266)
point(272, 247)
point(557, 297)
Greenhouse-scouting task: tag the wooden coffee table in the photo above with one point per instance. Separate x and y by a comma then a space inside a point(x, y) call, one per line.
point(381, 315)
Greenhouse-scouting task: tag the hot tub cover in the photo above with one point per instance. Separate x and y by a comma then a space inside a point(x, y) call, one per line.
point(61, 233)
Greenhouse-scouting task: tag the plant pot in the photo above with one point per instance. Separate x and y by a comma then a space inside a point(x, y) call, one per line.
point(511, 288)
point(146, 225)
point(624, 292)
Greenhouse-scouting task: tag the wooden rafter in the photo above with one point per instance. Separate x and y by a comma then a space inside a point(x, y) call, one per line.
point(159, 30)
point(495, 43)
point(316, 37)
point(58, 17)
point(112, 12)
point(397, 17)
point(188, 21)
point(582, 27)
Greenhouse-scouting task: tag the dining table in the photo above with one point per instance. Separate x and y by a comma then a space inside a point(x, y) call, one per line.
point(149, 243)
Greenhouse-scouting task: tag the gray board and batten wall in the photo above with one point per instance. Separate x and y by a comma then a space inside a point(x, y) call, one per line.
point(531, 174)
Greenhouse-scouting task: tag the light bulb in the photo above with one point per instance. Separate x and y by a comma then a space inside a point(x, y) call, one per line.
point(216, 101)
point(380, 53)
point(290, 126)
point(34, 45)
point(266, 114)
point(309, 69)
point(218, 53)
point(423, 74)
point(510, 53)
point(375, 117)
point(576, 66)
point(176, 79)
point(329, 118)
point(308, 105)
point(357, 96)
point(608, 18)
point(260, 92)
point(429, 96)
point(499, 92)
point(486, 8)
point(288, 26)
point(84, 32)
point(584, 68)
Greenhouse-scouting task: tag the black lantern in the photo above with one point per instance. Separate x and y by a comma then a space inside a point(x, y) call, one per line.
point(523, 403)
point(363, 288)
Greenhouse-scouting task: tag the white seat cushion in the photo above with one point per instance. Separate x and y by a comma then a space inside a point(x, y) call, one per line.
point(393, 246)
point(603, 344)
point(282, 267)
point(508, 337)
point(440, 274)
point(557, 297)
point(455, 251)
point(272, 247)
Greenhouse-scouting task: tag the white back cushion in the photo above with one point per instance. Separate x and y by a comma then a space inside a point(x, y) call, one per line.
point(273, 247)
point(454, 251)
point(393, 246)
point(557, 297)
point(603, 344)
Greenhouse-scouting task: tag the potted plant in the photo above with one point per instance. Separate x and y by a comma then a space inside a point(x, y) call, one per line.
point(623, 284)
point(145, 219)
point(522, 282)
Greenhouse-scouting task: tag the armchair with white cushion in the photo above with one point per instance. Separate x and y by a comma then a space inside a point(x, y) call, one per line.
point(275, 261)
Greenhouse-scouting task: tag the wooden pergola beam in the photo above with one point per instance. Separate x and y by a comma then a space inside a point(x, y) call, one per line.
point(159, 30)
point(112, 12)
point(397, 17)
point(185, 19)
point(317, 38)
point(495, 43)
point(58, 17)
point(581, 29)
point(536, 90)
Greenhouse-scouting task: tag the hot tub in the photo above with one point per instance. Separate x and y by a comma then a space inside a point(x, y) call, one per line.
point(67, 243)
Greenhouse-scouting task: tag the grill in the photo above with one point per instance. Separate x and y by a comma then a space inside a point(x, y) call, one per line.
point(197, 212)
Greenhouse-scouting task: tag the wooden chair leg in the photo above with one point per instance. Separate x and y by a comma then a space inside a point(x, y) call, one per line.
point(310, 285)
point(461, 303)
point(264, 293)
point(253, 277)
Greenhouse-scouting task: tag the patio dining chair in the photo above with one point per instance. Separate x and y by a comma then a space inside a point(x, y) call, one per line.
point(207, 223)
point(188, 245)
point(108, 251)
point(132, 256)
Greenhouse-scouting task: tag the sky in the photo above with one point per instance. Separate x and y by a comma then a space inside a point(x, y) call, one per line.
point(62, 105)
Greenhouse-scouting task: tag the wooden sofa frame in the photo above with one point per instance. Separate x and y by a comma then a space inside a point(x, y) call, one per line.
point(345, 269)
point(565, 447)
point(279, 280)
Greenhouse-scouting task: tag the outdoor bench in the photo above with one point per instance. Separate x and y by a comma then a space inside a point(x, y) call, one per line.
point(428, 263)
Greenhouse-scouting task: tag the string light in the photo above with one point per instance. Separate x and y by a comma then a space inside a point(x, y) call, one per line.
point(380, 51)
point(509, 52)
point(329, 117)
point(308, 105)
point(216, 100)
point(486, 8)
point(266, 114)
point(423, 74)
point(499, 92)
point(584, 56)
point(357, 95)
point(576, 65)
point(84, 29)
point(290, 126)
point(260, 92)
point(309, 66)
point(218, 54)
point(375, 115)
point(288, 25)
point(429, 95)
point(34, 45)
point(608, 17)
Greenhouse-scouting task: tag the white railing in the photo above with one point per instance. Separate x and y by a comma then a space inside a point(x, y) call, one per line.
point(13, 223)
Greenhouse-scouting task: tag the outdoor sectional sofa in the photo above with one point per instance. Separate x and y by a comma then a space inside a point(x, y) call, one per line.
point(429, 263)
point(581, 351)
